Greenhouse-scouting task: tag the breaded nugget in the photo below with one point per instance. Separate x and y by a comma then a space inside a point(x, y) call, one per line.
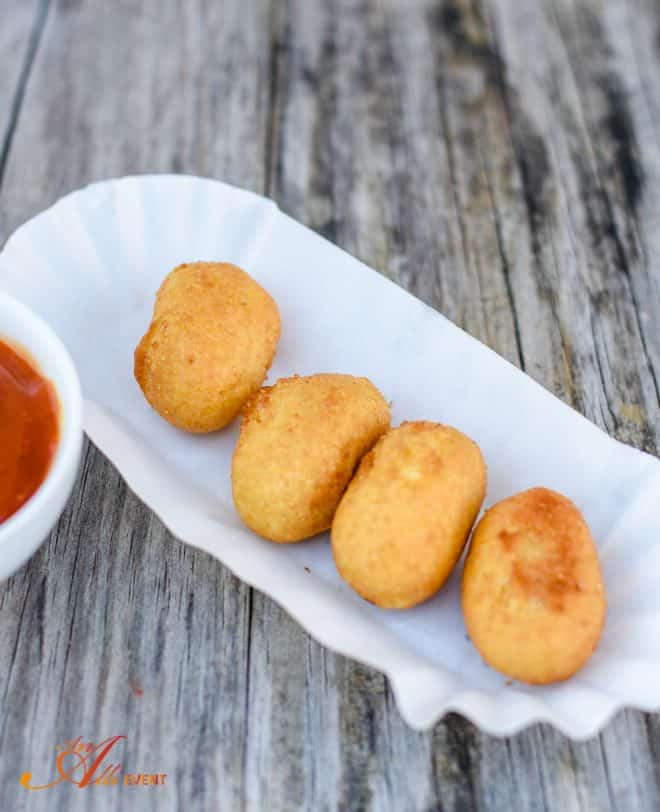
point(209, 346)
point(533, 594)
point(299, 444)
point(404, 519)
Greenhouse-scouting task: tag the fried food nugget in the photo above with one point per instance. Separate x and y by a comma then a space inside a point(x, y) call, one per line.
point(533, 595)
point(299, 443)
point(402, 523)
point(209, 346)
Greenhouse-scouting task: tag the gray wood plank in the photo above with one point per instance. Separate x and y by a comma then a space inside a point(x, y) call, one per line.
point(497, 161)
point(115, 627)
point(21, 26)
point(441, 122)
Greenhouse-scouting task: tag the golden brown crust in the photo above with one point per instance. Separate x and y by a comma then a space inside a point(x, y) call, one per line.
point(299, 443)
point(209, 346)
point(533, 594)
point(404, 519)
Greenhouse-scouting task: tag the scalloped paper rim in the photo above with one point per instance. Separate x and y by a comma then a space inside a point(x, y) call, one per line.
point(422, 692)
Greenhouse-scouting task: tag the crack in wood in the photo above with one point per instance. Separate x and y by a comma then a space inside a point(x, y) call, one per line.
point(23, 78)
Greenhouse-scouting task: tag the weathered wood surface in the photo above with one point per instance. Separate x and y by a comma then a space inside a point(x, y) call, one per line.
point(499, 159)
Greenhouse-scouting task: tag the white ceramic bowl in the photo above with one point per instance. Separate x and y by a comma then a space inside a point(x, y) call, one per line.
point(23, 532)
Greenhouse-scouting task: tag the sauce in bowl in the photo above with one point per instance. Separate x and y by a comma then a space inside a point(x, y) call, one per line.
point(29, 429)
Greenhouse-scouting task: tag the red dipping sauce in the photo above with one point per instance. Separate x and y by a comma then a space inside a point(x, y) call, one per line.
point(29, 429)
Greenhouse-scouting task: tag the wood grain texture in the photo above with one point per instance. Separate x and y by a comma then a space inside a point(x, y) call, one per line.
point(500, 160)
point(19, 39)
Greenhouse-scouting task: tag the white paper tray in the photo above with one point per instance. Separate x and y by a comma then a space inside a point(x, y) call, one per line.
point(90, 265)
